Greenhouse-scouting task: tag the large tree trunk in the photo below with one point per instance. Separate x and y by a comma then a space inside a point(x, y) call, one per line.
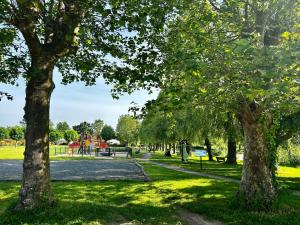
point(256, 187)
point(231, 140)
point(36, 187)
point(208, 148)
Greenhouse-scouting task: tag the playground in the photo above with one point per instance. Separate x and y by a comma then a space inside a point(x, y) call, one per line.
point(92, 146)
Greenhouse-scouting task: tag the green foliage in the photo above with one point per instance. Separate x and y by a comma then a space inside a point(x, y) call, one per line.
point(71, 135)
point(62, 126)
point(87, 39)
point(127, 129)
point(97, 126)
point(108, 133)
point(4, 133)
point(55, 135)
point(51, 125)
point(233, 56)
point(16, 133)
point(84, 128)
point(289, 153)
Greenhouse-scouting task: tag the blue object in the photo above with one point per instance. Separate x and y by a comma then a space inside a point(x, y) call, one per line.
point(200, 153)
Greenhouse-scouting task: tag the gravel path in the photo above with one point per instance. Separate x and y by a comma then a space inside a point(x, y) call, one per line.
point(11, 170)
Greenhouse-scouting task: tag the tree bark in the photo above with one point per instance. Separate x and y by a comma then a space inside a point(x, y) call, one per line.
point(208, 148)
point(256, 187)
point(36, 186)
point(231, 155)
point(231, 140)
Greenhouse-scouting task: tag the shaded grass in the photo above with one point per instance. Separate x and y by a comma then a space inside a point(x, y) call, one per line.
point(154, 203)
point(288, 177)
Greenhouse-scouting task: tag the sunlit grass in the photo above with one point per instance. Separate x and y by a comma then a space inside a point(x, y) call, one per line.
point(156, 202)
point(16, 153)
point(288, 177)
point(12, 152)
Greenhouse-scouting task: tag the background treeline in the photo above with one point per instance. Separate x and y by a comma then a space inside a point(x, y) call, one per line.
point(62, 133)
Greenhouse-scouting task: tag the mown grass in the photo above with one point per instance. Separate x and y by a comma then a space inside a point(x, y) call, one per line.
point(11, 152)
point(16, 153)
point(153, 203)
point(288, 177)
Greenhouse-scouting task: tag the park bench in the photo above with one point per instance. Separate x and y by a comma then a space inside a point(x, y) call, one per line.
point(221, 159)
point(126, 150)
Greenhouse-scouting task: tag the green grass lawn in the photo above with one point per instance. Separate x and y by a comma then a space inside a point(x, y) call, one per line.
point(289, 177)
point(153, 203)
point(11, 152)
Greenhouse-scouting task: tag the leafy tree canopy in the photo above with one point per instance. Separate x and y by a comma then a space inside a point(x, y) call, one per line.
point(84, 128)
point(108, 133)
point(127, 129)
point(85, 39)
point(97, 126)
point(55, 135)
point(71, 135)
point(16, 133)
point(4, 133)
point(62, 126)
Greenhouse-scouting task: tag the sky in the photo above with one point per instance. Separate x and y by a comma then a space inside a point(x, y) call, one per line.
point(73, 103)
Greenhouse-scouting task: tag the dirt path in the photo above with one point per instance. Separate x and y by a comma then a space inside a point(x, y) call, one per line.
point(195, 219)
point(180, 169)
point(146, 156)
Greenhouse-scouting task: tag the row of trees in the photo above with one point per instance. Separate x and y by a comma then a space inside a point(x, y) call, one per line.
point(166, 124)
point(234, 61)
point(126, 131)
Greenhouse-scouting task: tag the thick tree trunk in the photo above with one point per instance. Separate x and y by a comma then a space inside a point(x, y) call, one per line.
point(208, 148)
point(36, 186)
point(256, 187)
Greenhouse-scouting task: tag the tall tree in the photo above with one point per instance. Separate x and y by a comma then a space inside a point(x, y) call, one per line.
point(71, 135)
point(242, 55)
point(62, 126)
point(98, 126)
point(231, 139)
point(4, 133)
point(84, 128)
point(84, 39)
point(55, 135)
point(16, 133)
point(108, 133)
point(127, 129)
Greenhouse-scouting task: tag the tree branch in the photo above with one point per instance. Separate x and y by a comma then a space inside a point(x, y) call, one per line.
point(66, 27)
point(24, 17)
point(212, 3)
